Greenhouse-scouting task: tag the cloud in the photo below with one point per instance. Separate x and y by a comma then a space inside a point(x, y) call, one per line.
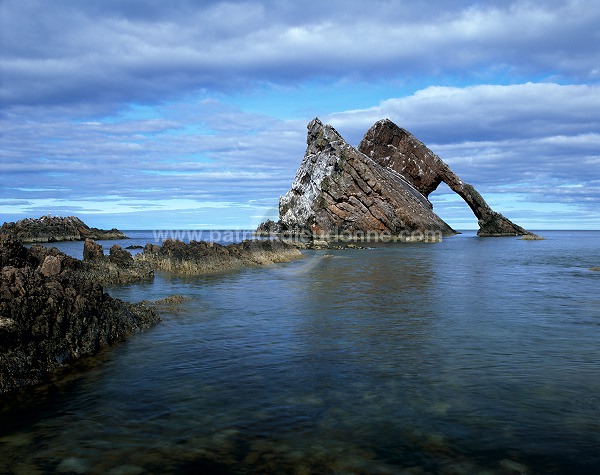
point(503, 139)
point(5, 202)
point(511, 131)
point(458, 114)
point(99, 54)
point(185, 155)
point(107, 107)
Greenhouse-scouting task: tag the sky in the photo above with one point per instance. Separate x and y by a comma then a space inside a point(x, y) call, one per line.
point(181, 114)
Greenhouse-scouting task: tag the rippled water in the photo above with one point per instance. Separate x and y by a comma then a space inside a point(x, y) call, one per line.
point(468, 356)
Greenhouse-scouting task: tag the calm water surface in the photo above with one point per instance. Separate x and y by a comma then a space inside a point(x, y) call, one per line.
point(468, 356)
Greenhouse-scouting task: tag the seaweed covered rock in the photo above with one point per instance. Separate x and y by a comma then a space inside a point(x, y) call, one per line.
point(92, 250)
point(118, 267)
point(201, 257)
point(51, 314)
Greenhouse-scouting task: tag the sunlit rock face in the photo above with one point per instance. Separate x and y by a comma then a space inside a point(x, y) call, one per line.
point(339, 191)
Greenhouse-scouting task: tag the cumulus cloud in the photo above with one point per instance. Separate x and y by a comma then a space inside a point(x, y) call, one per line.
point(459, 114)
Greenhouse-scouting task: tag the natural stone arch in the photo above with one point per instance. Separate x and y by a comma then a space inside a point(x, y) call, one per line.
point(397, 149)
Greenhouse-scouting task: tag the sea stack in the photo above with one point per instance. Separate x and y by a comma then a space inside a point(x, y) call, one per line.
point(379, 189)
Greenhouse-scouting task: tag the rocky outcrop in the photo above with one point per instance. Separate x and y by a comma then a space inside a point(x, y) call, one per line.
point(378, 191)
point(339, 192)
point(400, 151)
point(55, 228)
point(201, 257)
point(92, 250)
point(118, 267)
point(51, 313)
point(53, 308)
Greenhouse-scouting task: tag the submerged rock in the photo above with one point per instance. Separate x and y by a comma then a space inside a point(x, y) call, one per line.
point(52, 312)
point(379, 190)
point(56, 228)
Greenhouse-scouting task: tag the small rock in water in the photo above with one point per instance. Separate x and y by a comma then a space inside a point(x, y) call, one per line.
point(172, 299)
point(514, 467)
point(126, 470)
point(72, 465)
point(532, 237)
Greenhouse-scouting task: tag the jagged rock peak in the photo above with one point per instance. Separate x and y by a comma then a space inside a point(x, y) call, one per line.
point(341, 191)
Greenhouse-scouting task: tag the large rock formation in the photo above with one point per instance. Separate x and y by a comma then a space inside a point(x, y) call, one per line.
point(340, 192)
point(400, 151)
point(56, 228)
point(51, 313)
point(379, 190)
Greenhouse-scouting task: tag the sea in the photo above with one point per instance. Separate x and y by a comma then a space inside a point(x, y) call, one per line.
point(467, 356)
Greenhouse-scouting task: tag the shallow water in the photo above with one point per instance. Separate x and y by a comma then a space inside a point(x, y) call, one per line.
point(468, 356)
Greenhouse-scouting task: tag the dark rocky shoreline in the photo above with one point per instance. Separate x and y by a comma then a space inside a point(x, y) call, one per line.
point(201, 257)
point(53, 309)
point(52, 312)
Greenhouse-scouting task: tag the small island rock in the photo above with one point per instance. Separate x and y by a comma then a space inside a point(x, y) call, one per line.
point(56, 228)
